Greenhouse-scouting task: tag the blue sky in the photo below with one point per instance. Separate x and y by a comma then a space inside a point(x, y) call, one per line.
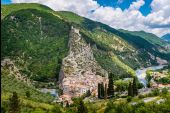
point(124, 4)
point(5, 1)
point(134, 15)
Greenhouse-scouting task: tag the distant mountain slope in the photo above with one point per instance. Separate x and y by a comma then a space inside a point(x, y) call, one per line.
point(147, 36)
point(166, 37)
point(36, 38)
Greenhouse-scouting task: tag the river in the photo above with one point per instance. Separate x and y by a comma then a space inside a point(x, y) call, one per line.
point(53, 92)
point(141, 73)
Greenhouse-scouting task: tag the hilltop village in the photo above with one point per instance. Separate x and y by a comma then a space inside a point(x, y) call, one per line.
point(80, 71)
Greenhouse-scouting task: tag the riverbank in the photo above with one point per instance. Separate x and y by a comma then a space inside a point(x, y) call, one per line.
point(141, 73)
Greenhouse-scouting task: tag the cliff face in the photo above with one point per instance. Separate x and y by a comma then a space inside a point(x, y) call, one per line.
point(80, 72)
point(8, 66)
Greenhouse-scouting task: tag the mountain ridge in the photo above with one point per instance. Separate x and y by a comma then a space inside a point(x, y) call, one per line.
point(166, 37)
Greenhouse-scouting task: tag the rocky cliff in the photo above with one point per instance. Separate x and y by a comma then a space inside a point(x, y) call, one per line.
point(80, 72)
point(8, 66)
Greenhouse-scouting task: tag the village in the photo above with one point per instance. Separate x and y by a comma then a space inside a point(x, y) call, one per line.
point(81, 74)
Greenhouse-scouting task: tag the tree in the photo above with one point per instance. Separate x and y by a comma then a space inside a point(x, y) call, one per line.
point(67, 104)
point(110, 86)
point(130, 90)
point(82, 108)
point(134, 86)
point(88, 93)
point(164, 91)
point(99, 90)
point(105, 91)
point(129, 98)
point(155, 92)
point(14, 104)
point(27, 93)
point(102, 90)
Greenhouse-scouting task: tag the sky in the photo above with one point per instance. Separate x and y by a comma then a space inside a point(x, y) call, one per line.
point(134, 15)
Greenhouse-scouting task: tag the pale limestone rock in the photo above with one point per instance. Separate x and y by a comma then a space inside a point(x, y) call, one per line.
point(14, 71)
point(80, 72)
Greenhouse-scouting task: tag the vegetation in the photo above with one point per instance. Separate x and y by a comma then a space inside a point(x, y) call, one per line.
point(121, 85)
point(141, 107)
point(130, 90)
point(164, 80)
point(36, 39)
point(14, 103)
point(110, 86)
point(26, 39)
point(134, 86)
point(154, 40)
point(82, 108)
point(9, 84)
point(27, 94)
point(101, 90)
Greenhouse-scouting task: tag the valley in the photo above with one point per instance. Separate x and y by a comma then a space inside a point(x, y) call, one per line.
point(58, 61)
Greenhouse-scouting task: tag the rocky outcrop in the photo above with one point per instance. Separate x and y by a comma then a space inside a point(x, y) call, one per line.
point(9, 65)
point(80, 72)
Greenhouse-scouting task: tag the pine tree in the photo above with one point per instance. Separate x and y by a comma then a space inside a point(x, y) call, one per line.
point(130, 90)
point(14, 104)
point(82, 108)
point(88, 93)
point(105, 91)
point(134, 86)
point(102, 90)
point(99, 90)
point(110, 86)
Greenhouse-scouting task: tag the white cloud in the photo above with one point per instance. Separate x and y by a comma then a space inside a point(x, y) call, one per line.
point(136, 5)
point(157, 22)
point(81, 7)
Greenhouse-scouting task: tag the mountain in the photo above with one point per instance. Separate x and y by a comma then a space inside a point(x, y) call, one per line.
point(166, 37)
point(36, 38)
point(41, 47)
point(147, 36)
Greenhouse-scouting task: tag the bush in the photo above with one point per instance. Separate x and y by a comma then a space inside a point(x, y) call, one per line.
point(27, 93)
point(164, 91)
point(129, 98)
point(141, 96)
point(140, 85)
point(150, 94)
point(155, 92)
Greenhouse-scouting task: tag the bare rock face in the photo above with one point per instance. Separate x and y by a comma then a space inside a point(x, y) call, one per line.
point(80, 72)
point(14, 71)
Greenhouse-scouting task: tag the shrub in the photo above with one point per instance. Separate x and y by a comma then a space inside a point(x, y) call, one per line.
point(155, 92)
point(164, 91)
point(140, 85)
point(150, 95)
point(129, 98)
point(141, 96)
point(27, 93)
point(14, 103)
